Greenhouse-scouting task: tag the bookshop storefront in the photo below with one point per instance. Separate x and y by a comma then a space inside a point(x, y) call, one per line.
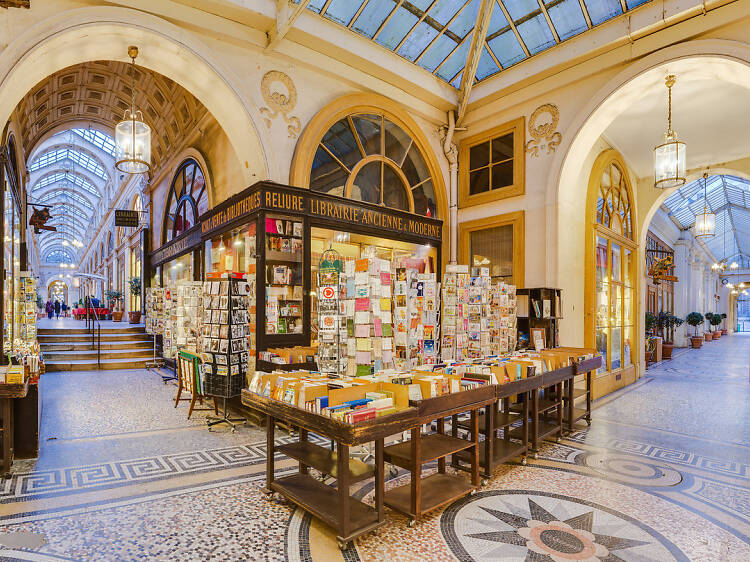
point(284, 238)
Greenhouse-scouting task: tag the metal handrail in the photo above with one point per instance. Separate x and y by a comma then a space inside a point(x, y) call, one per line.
point(94, 324)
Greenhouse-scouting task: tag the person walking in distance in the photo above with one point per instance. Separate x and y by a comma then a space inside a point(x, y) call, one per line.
point(57, 309)
point(50, 309)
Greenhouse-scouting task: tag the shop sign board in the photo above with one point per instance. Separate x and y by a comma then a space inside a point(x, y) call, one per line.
point(271, 197)
point(126, 217)
point(190, 240)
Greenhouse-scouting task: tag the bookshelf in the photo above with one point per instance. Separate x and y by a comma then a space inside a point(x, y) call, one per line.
point(539, 308)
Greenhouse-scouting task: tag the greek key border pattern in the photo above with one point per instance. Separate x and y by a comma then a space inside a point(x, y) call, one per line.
point(23, 486)
point(674, 456)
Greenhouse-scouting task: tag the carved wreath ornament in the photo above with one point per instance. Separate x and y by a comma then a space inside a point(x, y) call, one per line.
point(280, 100)
point(542, 125)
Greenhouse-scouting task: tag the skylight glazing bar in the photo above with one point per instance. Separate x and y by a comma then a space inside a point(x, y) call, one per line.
point(441, 33)
point(438, 67)
point(357, 13)
point(512, 25)
point(492, 55)
point(624, 6)
point(549, 21)
point(386, 20)
point(420, 20)
point(585, 11)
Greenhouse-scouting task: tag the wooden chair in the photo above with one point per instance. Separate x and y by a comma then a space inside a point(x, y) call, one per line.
point(188, 373)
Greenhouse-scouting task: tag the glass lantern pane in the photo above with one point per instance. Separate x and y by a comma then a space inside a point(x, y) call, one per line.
point(669, 165)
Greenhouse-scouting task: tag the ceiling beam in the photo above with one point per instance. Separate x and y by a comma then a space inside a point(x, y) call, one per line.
point(731, 216)
point(286, 15)
point(472, 60)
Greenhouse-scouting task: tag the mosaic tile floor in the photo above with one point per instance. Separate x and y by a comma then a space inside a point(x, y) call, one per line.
point(662, 474)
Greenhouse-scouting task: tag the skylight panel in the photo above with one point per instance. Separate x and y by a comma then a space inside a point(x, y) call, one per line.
point(486, 65)
point(520, 8)
point(498, 21)
point(567, 17)
point(465, 20)
point(633, 3)
point(455, 62)
point(440, 49)
point(98, 139)
point(372, 17)
point(417, 41)
point(316, 5)
point(396, 28)
point(507, 49)
point(602, 10)
point(536, 34)
point(342, 11)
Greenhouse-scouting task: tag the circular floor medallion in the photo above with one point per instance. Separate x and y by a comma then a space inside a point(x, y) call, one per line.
point(543, 527)
point(633, 471)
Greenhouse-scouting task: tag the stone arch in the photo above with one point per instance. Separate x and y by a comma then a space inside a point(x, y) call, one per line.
point(95, 33)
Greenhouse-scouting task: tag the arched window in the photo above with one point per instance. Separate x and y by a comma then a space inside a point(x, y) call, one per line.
point(368, 157)
point(137, 203)
point(611, 283)
point(187, 199)
point(110, 246)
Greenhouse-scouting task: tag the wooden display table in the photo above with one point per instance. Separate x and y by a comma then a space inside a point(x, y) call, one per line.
point(8, 392)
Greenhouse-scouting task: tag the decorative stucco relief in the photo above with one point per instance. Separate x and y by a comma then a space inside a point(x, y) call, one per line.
point(281, 96)
point(542, 125)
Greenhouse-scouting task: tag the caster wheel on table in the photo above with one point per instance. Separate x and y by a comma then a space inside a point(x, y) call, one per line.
point(234, 429)
point(536, 456)
point(523, 461)
point(411, 523)
point(342, 545)
point(558, 440)
point(485, 481)
point(588, 423)
point(209, 428)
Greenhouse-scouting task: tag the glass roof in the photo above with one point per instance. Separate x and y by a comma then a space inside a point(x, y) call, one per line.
point(98, 139)
point(436, 34)
point(75, 156)
point(74, 193)
point(729, 198)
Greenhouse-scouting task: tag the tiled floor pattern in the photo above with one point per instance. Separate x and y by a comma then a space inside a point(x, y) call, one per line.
point(662, 474)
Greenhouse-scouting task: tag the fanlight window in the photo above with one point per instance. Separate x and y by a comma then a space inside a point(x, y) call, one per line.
point(59, 256)
point(369, 158)
point(187, 200)
point(613, 206)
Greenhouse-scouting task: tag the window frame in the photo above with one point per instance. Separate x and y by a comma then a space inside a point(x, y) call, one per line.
point(183, 198)
point(595, 230)
point(518, 220)
point(518, 128)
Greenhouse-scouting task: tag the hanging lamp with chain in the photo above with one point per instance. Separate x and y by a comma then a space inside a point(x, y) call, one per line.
point(705, 222)
point(669, 157)
point(132, 134)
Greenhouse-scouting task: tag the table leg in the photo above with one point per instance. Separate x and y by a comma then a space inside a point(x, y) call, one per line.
point(441, 431)
point(302, 438)
point(379, 478)
point(475, 448)
point(343, 484)
point(416, 471)
point(7, 413)
point(270, 450)
point(535, 421)
point(571, 388)
point(559, 409)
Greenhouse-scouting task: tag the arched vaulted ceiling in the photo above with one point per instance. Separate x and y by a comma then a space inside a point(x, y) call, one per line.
point(66, 124)
point(99, 93)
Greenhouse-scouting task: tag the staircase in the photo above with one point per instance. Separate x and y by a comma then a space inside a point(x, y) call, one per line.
point(70, 349)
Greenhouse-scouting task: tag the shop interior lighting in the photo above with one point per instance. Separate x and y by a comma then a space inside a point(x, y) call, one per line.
point(734, 265)
point(669, 157)
point(237, 240)
point(132, 134)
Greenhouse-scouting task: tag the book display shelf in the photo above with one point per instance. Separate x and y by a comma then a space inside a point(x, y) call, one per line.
point(320, 409)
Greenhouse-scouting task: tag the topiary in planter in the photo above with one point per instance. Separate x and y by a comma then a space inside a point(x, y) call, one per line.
point(695, 319)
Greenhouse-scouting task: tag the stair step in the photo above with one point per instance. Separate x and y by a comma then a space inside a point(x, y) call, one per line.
point(116, 345)
point(89, 365)
point(106, 355)
point(57, 331)
point(84, 338)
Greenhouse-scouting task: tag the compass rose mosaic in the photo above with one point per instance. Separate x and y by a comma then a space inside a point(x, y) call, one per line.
point(542, 527)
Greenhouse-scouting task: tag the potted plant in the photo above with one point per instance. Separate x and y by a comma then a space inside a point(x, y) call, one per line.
point(724, 326)
point(650, 323)
point(664, 322)
point(115, 298)
point(695, 319)
point(650, 349)
point(715, 320)
point(134, 316)
point(707, 319)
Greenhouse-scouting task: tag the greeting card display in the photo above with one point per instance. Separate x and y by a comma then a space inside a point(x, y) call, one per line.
point(188, 313)
point(331, 341)
point(225, 347)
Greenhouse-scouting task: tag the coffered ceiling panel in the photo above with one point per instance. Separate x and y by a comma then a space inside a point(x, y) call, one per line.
point(99, 92)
